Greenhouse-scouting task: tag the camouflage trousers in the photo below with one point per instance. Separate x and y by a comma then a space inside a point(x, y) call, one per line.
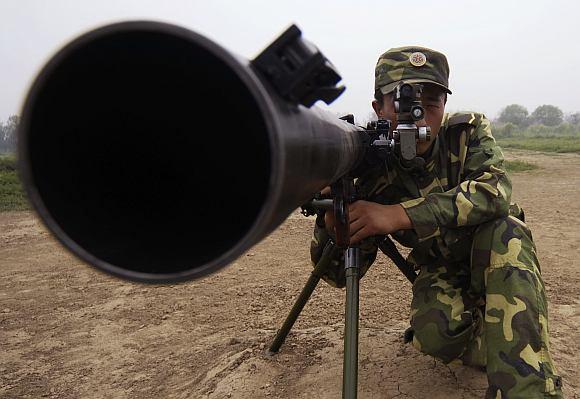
point(491, 313)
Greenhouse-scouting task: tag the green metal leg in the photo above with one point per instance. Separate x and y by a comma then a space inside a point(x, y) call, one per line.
point(350, 365)
point(388, 248)
point(327, 255)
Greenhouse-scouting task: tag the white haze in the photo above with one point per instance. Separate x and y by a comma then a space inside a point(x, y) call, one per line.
point(500, 52)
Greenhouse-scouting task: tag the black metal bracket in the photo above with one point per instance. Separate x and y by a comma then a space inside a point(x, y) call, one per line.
point(298, 70)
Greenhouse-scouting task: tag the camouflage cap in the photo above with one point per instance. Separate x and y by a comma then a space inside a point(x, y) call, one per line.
point(411, 64)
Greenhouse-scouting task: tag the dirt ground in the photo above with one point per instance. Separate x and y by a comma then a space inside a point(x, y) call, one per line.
point(68, 331)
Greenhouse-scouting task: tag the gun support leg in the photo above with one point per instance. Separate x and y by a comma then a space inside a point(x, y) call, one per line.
point(350, 366)
point(327, 255)
point(388, 248)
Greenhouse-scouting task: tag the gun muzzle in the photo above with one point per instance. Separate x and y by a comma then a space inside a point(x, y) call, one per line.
point(156, 155)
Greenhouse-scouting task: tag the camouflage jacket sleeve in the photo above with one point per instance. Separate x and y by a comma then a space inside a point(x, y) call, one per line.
point(482, 194)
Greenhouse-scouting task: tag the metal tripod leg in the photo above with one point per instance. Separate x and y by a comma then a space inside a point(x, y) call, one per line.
point(328, 254)
point(388, 248)
point(350, 365)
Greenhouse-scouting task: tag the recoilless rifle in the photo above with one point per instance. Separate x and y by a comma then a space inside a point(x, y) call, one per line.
point(123, 147)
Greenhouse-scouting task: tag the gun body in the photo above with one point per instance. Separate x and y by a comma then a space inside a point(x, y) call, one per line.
point(156, 155)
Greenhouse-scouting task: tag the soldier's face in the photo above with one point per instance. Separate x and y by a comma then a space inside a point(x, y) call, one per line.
point(433, 100)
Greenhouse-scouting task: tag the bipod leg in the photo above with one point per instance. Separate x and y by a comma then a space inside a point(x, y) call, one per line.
point(327, 255)
point(388, 248)
point(350, 365)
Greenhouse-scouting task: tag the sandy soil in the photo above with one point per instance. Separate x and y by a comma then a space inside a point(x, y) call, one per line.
point(68, 331)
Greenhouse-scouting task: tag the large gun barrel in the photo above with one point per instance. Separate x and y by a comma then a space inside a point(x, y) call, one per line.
point(156, 155)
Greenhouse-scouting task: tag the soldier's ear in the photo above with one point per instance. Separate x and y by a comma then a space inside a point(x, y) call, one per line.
point(378, 107)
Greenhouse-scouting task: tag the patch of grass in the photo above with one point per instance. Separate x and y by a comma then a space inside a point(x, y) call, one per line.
point(7, 163)
point(546, 144)
point(519, 166)
point(12, 196)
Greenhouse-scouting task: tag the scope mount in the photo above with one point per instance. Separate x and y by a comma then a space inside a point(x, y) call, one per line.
point(298, 71)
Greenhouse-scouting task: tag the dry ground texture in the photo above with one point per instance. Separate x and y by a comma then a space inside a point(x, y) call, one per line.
point(68, 331)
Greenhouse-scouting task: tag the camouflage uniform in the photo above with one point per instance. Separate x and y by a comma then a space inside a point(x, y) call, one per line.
point(479, 297)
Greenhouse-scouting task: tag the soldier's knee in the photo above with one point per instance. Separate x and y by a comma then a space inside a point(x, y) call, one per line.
point(502, 229)
point(503, 242)
point(443, 340)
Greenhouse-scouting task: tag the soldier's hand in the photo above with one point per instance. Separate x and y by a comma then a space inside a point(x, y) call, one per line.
point(370, 219)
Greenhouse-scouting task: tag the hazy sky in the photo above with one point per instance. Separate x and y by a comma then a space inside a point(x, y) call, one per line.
point(500, 52)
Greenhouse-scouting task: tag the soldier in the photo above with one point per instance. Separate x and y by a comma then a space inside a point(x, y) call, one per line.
point(479, 298)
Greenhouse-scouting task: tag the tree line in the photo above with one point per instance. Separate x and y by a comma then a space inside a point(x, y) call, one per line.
point(8, 134)
point(545, 121)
